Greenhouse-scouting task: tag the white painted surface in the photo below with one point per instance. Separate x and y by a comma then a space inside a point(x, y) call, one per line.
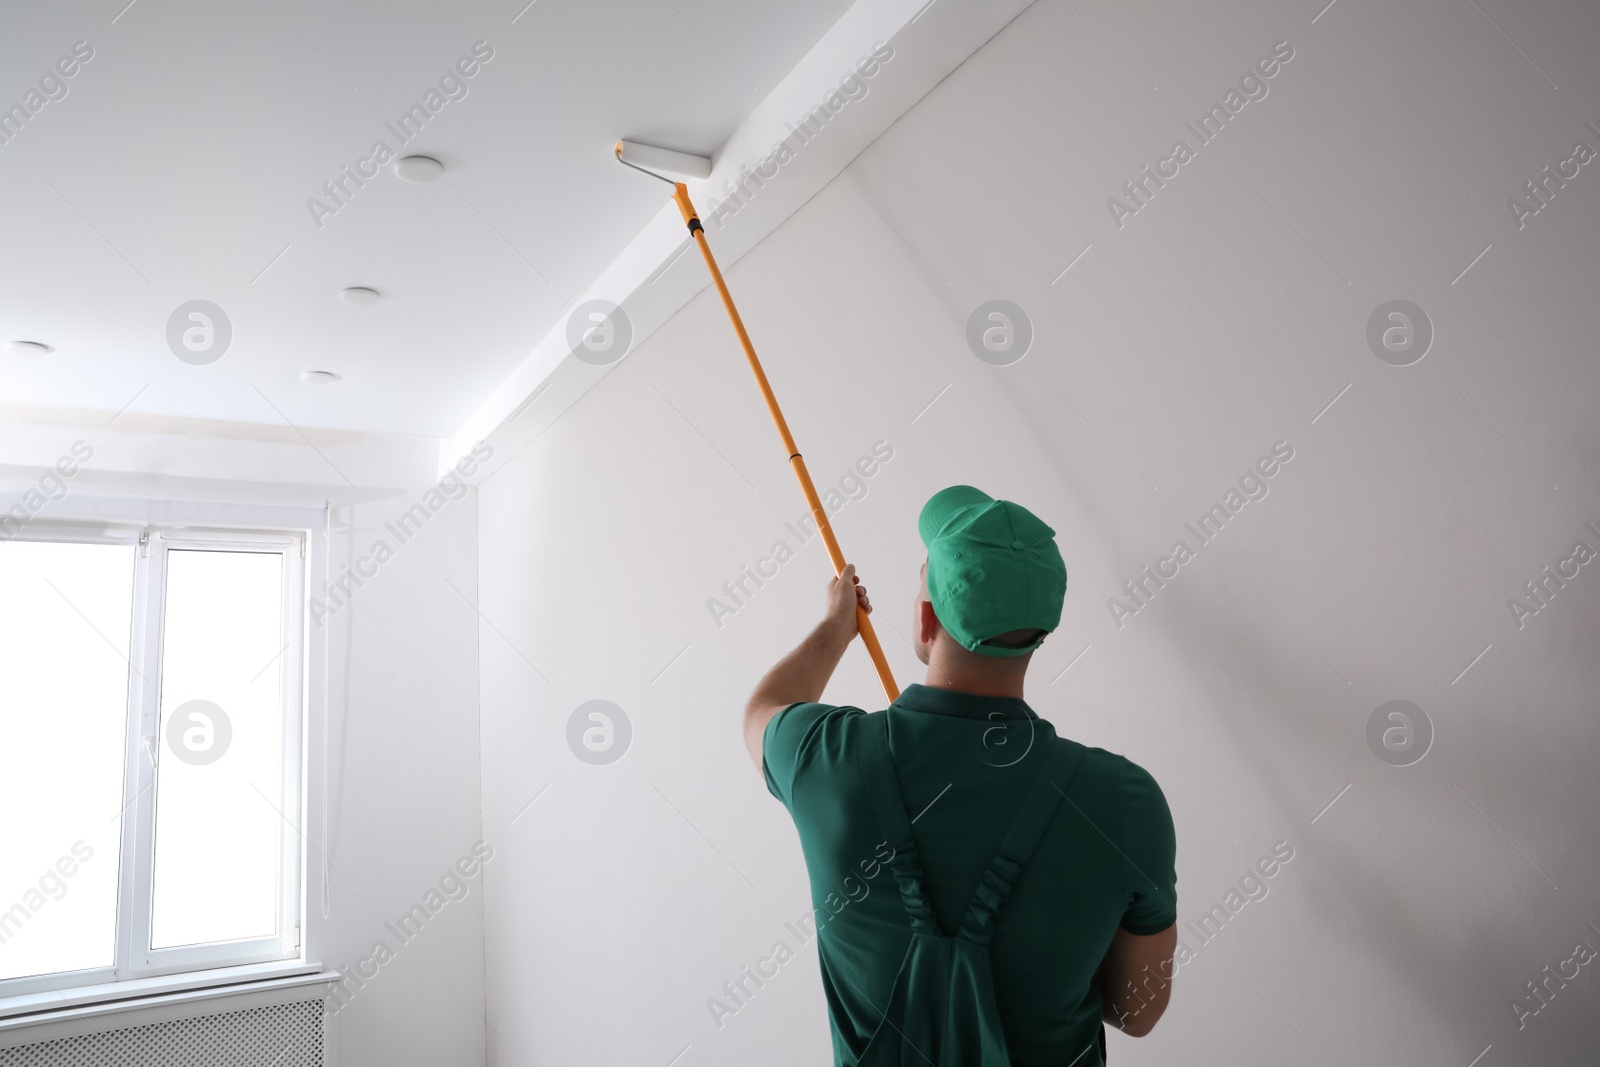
point(1224, 317)
point(181, 160)
point(878, 60)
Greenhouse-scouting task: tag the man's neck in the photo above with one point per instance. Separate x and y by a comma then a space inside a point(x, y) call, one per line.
point(977, 686)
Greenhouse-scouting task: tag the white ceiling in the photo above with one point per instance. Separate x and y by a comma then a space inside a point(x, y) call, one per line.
point(180, 162)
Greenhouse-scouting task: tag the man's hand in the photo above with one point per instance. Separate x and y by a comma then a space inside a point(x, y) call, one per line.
point(801, 676)
point(841, 615)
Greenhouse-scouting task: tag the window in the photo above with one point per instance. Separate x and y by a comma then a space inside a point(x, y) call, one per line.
point(150, 753)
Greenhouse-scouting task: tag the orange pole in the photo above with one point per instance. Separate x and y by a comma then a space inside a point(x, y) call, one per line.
point(869, 637)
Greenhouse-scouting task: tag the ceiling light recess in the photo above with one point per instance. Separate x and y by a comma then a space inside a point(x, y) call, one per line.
point(359, 296)
point(419, 168)
point(319, 377)
point(28, 348)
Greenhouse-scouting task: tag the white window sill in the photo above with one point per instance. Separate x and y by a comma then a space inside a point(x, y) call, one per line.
point(137, 993)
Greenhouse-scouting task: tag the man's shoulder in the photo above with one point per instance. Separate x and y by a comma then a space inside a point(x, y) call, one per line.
point(802, 737)
point(1099, 759)
point(1115, 799)
point(1100, 767)
point(804, 716)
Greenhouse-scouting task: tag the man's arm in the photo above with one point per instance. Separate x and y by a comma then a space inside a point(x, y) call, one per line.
point(1135, 979)
point(803, 674)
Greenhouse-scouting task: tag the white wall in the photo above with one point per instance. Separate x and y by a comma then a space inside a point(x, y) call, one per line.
point(393, 724)
point(1222, 318)
point(404, 790)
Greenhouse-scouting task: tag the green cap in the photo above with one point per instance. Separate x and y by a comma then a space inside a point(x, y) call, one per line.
point(993, 567)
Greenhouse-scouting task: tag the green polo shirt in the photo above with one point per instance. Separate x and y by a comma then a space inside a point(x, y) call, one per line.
point(963, 763)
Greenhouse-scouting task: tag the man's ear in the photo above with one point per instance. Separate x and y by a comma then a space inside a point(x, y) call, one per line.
point(927, 623)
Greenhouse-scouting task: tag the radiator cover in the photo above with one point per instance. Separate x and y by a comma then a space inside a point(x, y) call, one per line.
point(276, 1035)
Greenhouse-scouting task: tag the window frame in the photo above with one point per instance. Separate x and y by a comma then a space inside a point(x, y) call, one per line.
point(132, 956)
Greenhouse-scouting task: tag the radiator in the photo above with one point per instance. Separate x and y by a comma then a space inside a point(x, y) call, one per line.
point(276, 1035)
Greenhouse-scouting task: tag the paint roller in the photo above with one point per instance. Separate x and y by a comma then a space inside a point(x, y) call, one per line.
point(659, 163)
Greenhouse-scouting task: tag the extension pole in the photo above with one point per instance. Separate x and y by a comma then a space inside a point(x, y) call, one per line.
point(869, 637)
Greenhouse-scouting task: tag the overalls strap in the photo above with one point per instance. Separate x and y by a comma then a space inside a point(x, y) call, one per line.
point(877, 771)
point(1033, 817)
point(941, 1010)
point(1016, 848)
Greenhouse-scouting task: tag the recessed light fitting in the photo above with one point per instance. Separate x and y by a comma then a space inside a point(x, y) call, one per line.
point(319, 377)
point(360, 296)
point(28, 348)
point(418, 168)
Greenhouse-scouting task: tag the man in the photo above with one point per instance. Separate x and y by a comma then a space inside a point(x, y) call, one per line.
point(902, 813)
